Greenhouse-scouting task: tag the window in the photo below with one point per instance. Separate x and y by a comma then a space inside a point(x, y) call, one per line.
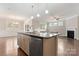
point(55, 23)
point(60, 23)
point(52, 24)
point(43, 26)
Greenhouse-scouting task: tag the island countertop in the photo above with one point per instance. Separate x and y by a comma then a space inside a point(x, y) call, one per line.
point(39, 35)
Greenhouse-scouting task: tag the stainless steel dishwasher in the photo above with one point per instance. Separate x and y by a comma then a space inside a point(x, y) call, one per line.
point(36, 46)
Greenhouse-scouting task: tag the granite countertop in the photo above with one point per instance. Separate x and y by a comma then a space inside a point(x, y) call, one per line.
point(39, 35)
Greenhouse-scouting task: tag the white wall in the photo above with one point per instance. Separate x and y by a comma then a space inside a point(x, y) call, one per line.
point(5, 30)
point(72, 24)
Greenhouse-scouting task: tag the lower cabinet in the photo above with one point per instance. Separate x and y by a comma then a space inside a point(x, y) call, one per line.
point(26, 44)
point(43, 46)
point(23, 42)
point(35, 46)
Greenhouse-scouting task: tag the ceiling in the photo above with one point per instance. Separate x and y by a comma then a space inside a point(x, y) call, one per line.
point(25, 10)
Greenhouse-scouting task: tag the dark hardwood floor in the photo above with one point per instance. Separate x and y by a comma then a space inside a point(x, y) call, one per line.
point(66, 47)
point(21, 52)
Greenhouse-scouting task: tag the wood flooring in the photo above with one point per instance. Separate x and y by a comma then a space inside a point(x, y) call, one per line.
point(66, 47)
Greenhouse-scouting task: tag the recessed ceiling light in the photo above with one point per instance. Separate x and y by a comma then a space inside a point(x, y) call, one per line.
point(46, 11)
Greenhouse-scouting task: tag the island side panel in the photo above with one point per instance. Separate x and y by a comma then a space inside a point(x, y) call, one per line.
point(50, 46)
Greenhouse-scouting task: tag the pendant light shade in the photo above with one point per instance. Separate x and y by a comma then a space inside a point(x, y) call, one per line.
point(38, 15)
point(32, 17)
point(46, 11)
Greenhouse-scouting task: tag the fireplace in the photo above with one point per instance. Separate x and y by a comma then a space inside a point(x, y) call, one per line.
point(70, 34)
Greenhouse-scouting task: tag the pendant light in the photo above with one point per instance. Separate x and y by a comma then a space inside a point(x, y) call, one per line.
point(32, 17)
point(38, 15)
point(46, 11)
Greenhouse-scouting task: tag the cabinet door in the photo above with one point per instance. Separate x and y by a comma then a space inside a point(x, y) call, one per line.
point(20, 40)
point(26, 44)
point(23, 42)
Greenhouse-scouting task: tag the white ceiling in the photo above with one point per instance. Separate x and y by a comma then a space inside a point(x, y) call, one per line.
point(25, 9)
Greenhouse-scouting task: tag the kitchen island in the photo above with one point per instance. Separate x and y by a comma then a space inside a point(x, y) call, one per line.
point(38, 44)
